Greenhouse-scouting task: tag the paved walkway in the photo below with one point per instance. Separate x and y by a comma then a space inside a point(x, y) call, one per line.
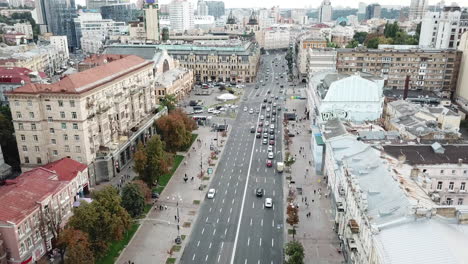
point(153, 241)
point(315, 232)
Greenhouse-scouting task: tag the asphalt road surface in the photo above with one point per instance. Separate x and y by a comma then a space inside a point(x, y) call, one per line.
point(235, 226)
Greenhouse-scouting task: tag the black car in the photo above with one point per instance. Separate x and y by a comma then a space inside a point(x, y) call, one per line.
point(267, 115)
point(268, 91)
point(265, 100)
point(273, 112)
point(252, 129)
point(272, 131)
point(259, 135)
point(259, 192)
point(264, 106)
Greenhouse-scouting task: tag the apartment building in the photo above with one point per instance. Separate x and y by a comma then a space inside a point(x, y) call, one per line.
point(271, 39)
point(96, 116)
point(32, 199)
point(428, 69)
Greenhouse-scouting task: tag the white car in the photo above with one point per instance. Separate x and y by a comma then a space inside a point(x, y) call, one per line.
point(272, 126)
point(210, 110)
point(267, 123)
point(268, 109)
point(198, 111)
point(268, 203)
point(211, 193)
point(251, 111)
point(262, 117)
point(245, 109)
point(270, 148)
point(216, 112)
point(270, 154)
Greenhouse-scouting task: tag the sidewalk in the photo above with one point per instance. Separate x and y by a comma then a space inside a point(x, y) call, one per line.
point(155, 237)
point(315, 232)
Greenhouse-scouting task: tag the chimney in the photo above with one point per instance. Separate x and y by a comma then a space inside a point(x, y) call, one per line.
point(405, 93)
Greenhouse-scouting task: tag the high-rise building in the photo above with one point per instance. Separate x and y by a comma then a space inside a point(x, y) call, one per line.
point(373, 11)
point(120, 12)
point(442, 30)
point(56, 17)
point(96, 4)
point(181, 15)
point(151, 21)
point(202, 8)
point(215, 8)
point(417, 9)
point(325, 11)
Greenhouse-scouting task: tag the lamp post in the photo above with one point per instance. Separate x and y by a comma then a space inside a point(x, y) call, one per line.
point(178, 239)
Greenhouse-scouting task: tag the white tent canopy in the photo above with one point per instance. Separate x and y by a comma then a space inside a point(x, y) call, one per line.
point(226, 97)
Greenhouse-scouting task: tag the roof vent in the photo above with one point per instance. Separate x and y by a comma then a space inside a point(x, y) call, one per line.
point(437, 148)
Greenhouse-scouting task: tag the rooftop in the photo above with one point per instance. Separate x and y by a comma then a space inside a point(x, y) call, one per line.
point(396, 51)
point(18, 75)
point(102, 59)
point(88, 79)
point(425, 154)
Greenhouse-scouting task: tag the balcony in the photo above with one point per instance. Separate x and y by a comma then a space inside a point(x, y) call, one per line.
point(352, 245)
point(353, 225)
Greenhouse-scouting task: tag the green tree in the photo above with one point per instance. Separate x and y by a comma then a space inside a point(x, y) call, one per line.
point(331, 44)
point(293, 217)
point(373, 43)
point(169, 101)
point(104, 220)
point(77, 247)
point(360, 37)
point(133, 200)
point(418, 31)
point(352, 44)
point(294, 252)
point(391, 30)
point(140, 159)
point(8, 139)
point(175, 130)
point(165, 34)
point(157, 161)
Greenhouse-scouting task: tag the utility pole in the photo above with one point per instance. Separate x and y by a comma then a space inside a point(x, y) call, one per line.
point(178, 240)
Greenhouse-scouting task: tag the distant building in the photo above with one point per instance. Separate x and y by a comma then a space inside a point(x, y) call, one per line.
point(418, 9)
point(373, 11)
point(152, 22)
point(319, 60)
point(14, 38)
point(181, 15)
point(443, 30)
point(97, 4)
point(271, 39)
point(305, 43)
point(120, 12)
point(202, 8)
point(462, 84)
point(24, 28)
point(325, 11)
point(215, 8)
point(61, 42)
point(32, 198)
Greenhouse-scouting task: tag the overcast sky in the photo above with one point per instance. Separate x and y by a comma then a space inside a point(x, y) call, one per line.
point(316, 3)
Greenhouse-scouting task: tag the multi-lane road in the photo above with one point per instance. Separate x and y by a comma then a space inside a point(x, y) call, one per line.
point(235, 226)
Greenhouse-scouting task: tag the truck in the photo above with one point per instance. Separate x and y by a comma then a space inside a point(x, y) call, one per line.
point(279, 166)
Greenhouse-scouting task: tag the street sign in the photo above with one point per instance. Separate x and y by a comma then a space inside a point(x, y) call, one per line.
point(210, 170)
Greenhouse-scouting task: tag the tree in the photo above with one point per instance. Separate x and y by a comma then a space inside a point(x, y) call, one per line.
point(360, 37)
point(144, 189)
point(293, 216)
point(373, 43)
point(391, 30)
point(133, 200)
point(104, 220)
point(331, 44)
point(8, 139)
point(295, 252)
point(165, 34)
point(175, 129)
point(352, 44)
point(152, 161)
point(140, 159)
point(169, 101)
point(76, 245)
point(51, 223)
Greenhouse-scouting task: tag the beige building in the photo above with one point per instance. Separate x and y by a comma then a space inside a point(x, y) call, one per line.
point(428, 69)
point(306, 43)
point(96, 116)
point(462, 85)
point(271, 39)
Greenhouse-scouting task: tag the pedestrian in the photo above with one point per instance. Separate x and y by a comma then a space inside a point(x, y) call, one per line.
point(185, 175)
point(305, 199)
point(185, 163)
point(165, 207)
point(191, 179)
point(175, 217)
point(302, 199)
point(307, 205)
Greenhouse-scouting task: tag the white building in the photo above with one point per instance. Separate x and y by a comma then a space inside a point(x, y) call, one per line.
point(61, 42)
point(462, 83)
point(325, 11)
point(24, 28)
point(443, 30)
point(181, 15)
point(320, 60)
point(202, 8)
point(152, 22)
point(353, 98)
point(418, 8)
point(270, 39)
point(204, 22)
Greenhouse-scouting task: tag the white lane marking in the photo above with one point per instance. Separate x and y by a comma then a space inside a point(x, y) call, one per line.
point(217, 220)
point(232, 201)
point(229, 219)
point(219, 256)
point(273, 207)
point(256, 179)
point(230, 176)
point(261, 223)
point(210, 209)
point(248, 241)
point(203, 231)
point(237, 184)
point(260, 244)
point(219, 183)
point(243, 200)
point(273, 194)
point(228, 184)
point(250, 221)
point(206, 257)
point(198, 244)
point(220, 209)
point(225, 192)
point(214, 232)
point(222, 244)
point(210, 245)
point(274, 181)
point(253, 204)
point(223, 200)
point(235, 191)
point(245, 262)
point(265, 179)
point(206, 219)
point(230, 210)
point(272, 242)
point(193, 258)
point(225, 231)
point(273, 223)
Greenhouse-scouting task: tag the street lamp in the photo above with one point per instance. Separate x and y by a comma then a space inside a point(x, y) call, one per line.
point(178, 239)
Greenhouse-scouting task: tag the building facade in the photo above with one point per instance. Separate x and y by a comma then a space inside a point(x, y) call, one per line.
point(304, 44)
point(443, 30)
point(120, 12)
point(14, 77)
point(418, 9)
point(325, 11)
point(273, 39)
point(215, 8)
point(171, 78)
point(96, 116)
point(373, 11)
point(202, 8)
point(181, 15)
point(97, 4)
point(31, 200)
point(428, 69)
point(152, 22)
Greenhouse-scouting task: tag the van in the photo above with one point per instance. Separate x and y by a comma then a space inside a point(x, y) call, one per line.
point(279, 166)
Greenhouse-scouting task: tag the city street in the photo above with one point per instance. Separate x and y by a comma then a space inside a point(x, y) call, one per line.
point(234, 226)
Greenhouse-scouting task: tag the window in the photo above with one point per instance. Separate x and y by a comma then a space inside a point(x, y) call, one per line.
point(72, 103)
point(17, 103)
point(465, 171)
point(64, 126)
point(451, 185)
point(33, 126)
point(449, 201)
point(37, 149)
point(60, 103)
point(75, 126)
point(25, 148)
point(62, 114)
point(26, 160)
point(77, 137)
point(22, 248)
point(460, 201)
point(54, 152)
point(18, 115)
point(74, 115)
point(20, 126)
point(52, 130)
point(29, 102)
point(453, 171)
point(31, 114)
point(23, 137)
point(78, 149)
point(48, 108)
point(439, 185)
point(35, 138)
point(39, 160)
point(50, 119)
point(67, 148)
point(441, 171)
point(28, 242)
point(65, 137)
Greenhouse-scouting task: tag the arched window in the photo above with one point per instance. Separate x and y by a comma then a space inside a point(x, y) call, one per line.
point(165, 66)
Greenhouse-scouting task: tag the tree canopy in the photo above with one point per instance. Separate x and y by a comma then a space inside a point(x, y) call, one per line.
point(133, 200)
point(175, 130)
point(8, 139)
point(77, 247)
point(295, 252)
point(168, 100)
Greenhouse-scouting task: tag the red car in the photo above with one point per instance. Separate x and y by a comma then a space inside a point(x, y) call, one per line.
point(272, 142)
point(269, 163)
point(259, 130)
